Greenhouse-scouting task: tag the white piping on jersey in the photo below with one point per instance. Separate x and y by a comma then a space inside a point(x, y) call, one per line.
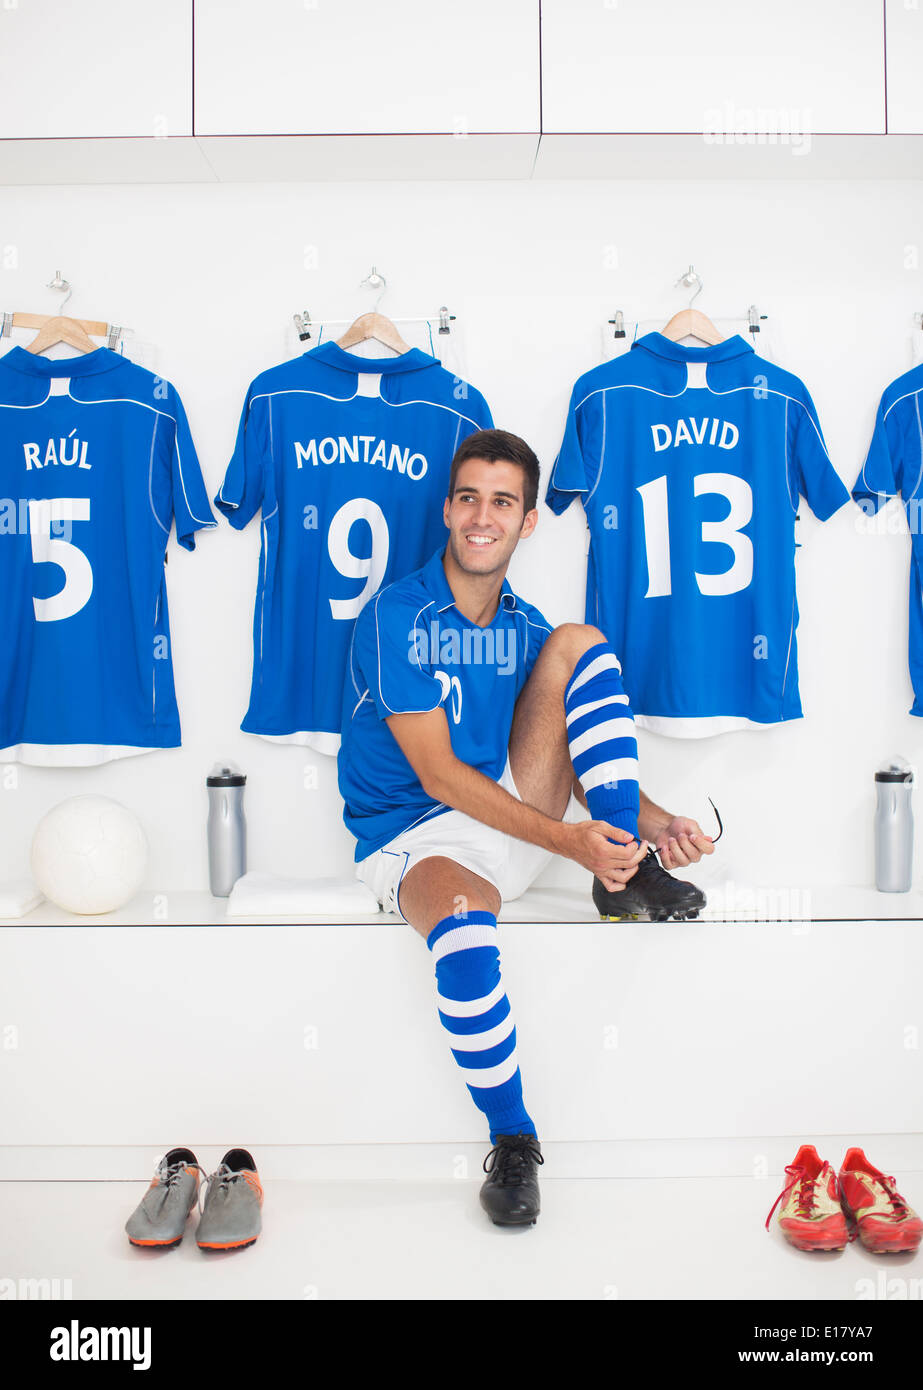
point(602, 454)
point(429, 708)
point(788, 654)
point(179, 464)
point(129, 400)
point(788, 473)
point(920, 434)
point(154, 666)
point(8, 405)
point(904, 397)
point(664, 395)
point(360, 700)
point(344, 400)
point(150, 481)
point(263, 586)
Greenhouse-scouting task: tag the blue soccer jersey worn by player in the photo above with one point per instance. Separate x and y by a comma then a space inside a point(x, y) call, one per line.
point(348, 458)
point(894, 467)
point(96, 463)
point(690, 463)
point(411, 652)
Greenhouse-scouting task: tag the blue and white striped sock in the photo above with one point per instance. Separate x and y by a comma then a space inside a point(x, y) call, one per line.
point(601, 738)
point(476, 1013)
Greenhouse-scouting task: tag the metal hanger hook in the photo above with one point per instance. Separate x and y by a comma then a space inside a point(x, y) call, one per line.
point(691, 277)
point(59, 283)
point(371, 282)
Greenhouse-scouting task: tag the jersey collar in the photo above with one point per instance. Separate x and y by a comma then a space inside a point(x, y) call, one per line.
point(435, 580)
point(681, 352)
point(334, 356)
point(87, 364)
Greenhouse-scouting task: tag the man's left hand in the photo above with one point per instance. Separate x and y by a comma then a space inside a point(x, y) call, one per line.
point(681, 843)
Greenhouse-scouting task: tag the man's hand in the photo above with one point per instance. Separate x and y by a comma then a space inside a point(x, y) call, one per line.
point(589, 842)
point(682, 842)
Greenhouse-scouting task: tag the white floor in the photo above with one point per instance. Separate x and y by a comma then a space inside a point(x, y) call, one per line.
point(677, 1238)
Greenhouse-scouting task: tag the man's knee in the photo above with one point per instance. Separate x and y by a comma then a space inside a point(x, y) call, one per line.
point(437, 887)
point(571, 640)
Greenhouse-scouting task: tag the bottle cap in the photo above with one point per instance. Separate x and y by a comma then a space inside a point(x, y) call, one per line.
point(226, 774)
point(896, 769)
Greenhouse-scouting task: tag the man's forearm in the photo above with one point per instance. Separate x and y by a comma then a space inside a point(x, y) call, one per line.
point(467, 790)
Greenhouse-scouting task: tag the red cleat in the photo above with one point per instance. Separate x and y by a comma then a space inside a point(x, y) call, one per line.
point(885, 1223)
point(811, 1217)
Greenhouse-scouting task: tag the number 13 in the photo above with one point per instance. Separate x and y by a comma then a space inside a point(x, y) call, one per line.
point(739, 495)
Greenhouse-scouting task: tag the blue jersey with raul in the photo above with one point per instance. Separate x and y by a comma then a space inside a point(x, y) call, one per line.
point(894, 467)
point(348, 458)
point(690, 463)
point(411, 652)
point(96, 463)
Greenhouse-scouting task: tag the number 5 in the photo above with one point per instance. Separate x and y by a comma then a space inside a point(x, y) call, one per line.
point(51, 550)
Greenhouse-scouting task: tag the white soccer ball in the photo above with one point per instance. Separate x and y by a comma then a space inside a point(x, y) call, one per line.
point(89, 854)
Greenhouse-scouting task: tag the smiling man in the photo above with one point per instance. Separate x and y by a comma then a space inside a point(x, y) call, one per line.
point(471, 728)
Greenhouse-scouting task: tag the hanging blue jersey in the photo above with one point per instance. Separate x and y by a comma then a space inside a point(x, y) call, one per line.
point(96, 463)
point(411, 652)
point(690, 462)
point(348, 458)
point(894, 467)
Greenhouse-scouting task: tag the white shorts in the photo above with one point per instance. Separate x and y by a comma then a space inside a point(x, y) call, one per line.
point(511, 865)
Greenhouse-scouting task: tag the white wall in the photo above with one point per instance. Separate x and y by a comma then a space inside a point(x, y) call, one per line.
point(211, 275)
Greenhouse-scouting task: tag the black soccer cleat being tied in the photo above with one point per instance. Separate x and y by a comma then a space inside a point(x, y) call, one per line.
point(651, 893)
point(509, 1194)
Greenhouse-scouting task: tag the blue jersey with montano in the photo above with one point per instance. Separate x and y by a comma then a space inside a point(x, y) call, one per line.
point(690, 463)
point(894, 466)
point(348, 458)
point(96, 463)
point(411, 652)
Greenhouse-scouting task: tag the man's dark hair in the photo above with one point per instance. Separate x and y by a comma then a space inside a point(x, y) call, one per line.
point(496, 446)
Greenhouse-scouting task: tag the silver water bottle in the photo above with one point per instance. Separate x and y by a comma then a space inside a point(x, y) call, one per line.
point(894, 827)
point(227, 828)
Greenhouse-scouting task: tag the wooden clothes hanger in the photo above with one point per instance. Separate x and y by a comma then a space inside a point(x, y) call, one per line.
point(373, 325)
point(692, 323)
point(57, 328)
point(689, 322)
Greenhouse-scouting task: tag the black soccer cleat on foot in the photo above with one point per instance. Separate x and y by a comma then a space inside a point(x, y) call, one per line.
point(509, 1194)
point(650, 893)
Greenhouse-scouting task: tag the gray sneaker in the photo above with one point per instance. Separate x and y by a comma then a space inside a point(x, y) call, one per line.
point(231, 1215)
point(161, 1215)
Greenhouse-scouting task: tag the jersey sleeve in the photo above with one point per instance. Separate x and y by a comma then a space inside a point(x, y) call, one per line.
point(241, 494)
point(577, 464)
point(814, 476)
point(389, 648)
point(879, 480)
point(177, 487)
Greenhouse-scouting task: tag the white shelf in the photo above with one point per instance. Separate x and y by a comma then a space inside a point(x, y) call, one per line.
point(728, 902)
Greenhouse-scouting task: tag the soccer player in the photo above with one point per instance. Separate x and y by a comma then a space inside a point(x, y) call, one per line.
point(468, 725)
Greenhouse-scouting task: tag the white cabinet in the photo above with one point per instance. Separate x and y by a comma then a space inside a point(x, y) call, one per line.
point(308, 67)
point(97, 68)
point(904, 29)
point(666, 66)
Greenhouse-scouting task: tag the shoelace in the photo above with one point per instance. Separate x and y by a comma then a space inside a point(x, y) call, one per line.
point(223, 1176)
point(901, 1209)
point(805, 1197)
point(168, 1174)
point(509, 1159)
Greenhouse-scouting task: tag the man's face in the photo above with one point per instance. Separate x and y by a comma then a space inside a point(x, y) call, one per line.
point(486, 517)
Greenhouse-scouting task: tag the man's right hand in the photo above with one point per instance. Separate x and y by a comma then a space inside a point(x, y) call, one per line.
point(590, 843)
